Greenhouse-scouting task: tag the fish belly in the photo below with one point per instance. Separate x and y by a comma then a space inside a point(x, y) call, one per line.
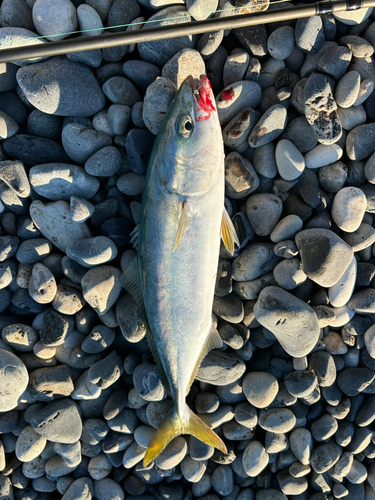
point(178, 286)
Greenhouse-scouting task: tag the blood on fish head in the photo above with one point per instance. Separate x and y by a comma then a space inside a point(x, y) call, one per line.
point(204, 98)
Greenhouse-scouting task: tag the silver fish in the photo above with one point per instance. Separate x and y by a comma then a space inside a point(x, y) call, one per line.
point(173, 277)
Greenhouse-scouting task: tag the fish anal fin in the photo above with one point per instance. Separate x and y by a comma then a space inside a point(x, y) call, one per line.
point(131, 281)
point(174, 425)
point(213, 341)
point(135, 237)
point(228, 233)
point(182, 225)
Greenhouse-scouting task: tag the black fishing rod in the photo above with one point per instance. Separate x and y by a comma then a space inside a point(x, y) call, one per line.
point(107, 40)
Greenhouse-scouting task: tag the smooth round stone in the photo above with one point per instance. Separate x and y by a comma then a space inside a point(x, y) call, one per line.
point(140, 72)
point(351, 117)
point(236, 97)
point(335, 61)
point(324, 427)
point(220, 368)
point(287, 228)
point(300, 133)
point(147, 382)
point(263, 211)
point(264, 161)
point(173, 454)
point(348, 208)
point(54, 222)
point(56, 181)
point(365, 90)
point(120, 90)
point(254, 458)
point(105, 162)
point(99, 467)
point(29, 444)
point(12, 37)
point(42, 284)
point(290, 162)
point(289, 319)
point(101, 287)
point(104, 373)
point(206, 402)
point(325, 257)
point(31, 251)
point(269, 126)
point(90, 23)
point(363, 301)
point(8, 127)
point(131, 325)
point(80, 142)
point(323, 155)
point(300, 383)
point(290, 485)
point(277, 420)
point(360, 142)
point(107, 488)
point(340, 293)
point(68, 300)
point(7, 270)
point(235, 68)
point(359, 46)
point(158, 98)
point(347, 89)
point(369, 341)
point(301, 443)
point(352, 381)
point(260, 388)
point(280, 43)
point(325, 456)
point(78, 92)
point(119, 118)
point(353, 17)
point(332, 177)
point(309, 34)
point(80, 209)
point(92, 251)
point(159, 52)
point(55, 18)
point(14, 377)
point(98, 340)
point(33, 150)
point(240, 176)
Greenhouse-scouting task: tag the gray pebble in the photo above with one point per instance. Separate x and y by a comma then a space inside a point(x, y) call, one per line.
point(21, 337)
point(351, 117)
point(238, 168)
point(255, 458)
point(335, 61)
point(186, 62)
point(309, 34)
point(324, 427)
point(68, 300)
point(101, 287)
point(80, 489)
point(280, 43)
point(173, 454)
point(347, 89)
point(322, 364)
point(38, 85)
point(220, 368)
point(105, 372)
point(236, 133)
point(263, 211)
point(81, 143)
point(332, 177)
point(260, 388)
point(120, 90)
point(105, 162)
point(118, 118)
point(360, 149)
point(92, 251)
point(42, 284)
point(159, 96)
point(325, 456)
point(235, 98)
point(80, 209)
point(235, 68)
point(31, 251)
point(264, 160)
point(269, 126)
point(55, 19)
point(90, 23)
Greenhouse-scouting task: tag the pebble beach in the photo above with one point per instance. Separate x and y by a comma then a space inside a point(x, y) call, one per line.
point(292, 390)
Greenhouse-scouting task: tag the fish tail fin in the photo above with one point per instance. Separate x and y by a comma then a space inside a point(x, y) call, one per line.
point(174, 425)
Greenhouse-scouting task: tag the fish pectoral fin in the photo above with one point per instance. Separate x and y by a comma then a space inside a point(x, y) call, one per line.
point(228, 233)
point(131, 281)
point(182, 224)
point(174, 425)
point(135, 237)
point(213, 341)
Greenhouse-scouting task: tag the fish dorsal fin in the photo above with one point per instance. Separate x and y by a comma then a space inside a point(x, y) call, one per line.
point(135, 237)
point(213, 341)
point(182, 224)
point(131, 281)
point(228, 233)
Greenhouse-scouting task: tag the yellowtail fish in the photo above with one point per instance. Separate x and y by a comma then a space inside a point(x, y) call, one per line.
point(172, 280)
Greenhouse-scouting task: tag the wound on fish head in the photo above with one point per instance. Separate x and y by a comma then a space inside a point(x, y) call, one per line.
point(189, 146)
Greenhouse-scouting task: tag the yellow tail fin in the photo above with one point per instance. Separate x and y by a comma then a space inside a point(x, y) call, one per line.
point(173, 425)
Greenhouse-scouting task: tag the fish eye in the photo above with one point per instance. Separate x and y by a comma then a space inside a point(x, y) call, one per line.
point(185, 126)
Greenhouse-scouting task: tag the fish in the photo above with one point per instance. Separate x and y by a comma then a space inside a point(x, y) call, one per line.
point(172, 279)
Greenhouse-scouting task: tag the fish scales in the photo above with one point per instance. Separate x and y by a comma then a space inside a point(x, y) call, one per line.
point(178, 243)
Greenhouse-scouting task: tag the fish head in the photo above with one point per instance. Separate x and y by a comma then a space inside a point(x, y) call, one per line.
point(191, 139)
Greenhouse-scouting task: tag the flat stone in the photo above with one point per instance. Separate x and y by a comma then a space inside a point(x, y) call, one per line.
point(347, 89)
point(360, 142)
point(55, 19)
point(158, 98)
point(34, 150)
point(256, 260)
point(58, 421)
point(260, 388)
point(270, 125)
point(309, 34)
point(80, 142)
point(335, 61)
point(348, 208)
point(54, 222)
point(236, 132)
point(14, 376)
point(254, 459)
point(92, 251)
point(101, 287)
point(340, 293)
point(289, 160)
point(325, 456)
point(120, 90)
point(105, 162)
point(78, 92)
point(292, 321)
point(325, 257)
point(235, 68)
point(240, 176)
point(219, 368)
point(263, 211)
point(353, 18)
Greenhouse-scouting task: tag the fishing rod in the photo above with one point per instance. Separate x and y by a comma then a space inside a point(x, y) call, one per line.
point(107, 40)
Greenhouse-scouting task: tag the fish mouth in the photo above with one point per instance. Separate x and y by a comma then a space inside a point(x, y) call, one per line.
point(203, 98)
